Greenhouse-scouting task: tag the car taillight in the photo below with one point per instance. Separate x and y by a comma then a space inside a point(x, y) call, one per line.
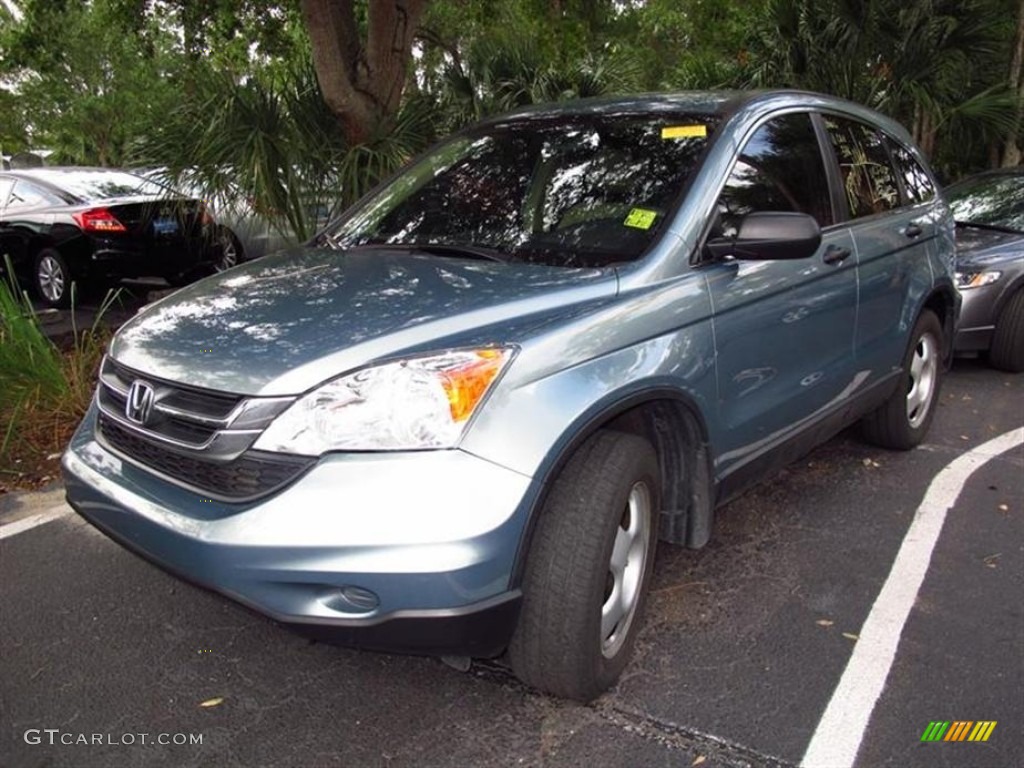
point(205, 216)
point(98, 220)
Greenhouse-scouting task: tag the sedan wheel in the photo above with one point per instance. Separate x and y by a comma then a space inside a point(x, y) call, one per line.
point(230, 251)
point(1007, 351)
point(52, 278)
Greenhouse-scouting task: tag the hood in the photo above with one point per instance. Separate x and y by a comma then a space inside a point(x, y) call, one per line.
point(283, 324)
point(978, 248)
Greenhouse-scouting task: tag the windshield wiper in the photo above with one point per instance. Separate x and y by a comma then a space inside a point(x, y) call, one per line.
point(463, 250)
point(991, 227)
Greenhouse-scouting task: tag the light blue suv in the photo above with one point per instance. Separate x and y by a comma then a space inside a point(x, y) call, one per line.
point(459, 421)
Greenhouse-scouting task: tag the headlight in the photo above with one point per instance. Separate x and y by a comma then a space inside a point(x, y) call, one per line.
point(422, 402)
point(965, 280)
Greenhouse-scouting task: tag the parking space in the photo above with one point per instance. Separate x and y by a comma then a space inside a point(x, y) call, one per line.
point(744, 644)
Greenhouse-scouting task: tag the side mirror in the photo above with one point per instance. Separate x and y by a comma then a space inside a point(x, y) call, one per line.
point(770, 236)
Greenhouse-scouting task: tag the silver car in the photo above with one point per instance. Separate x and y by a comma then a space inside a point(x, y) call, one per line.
point(989, 212)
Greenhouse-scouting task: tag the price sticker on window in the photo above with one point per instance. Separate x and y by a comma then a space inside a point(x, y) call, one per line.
point(640, 218)
point(684, 132)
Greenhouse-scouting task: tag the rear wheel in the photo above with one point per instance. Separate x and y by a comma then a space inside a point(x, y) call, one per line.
point(1007, 350)
point(903, 421)
point(587, 569)
point(51, 278)
point(230, 250)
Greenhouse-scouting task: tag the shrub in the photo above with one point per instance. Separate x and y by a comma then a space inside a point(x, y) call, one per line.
point(45, 389)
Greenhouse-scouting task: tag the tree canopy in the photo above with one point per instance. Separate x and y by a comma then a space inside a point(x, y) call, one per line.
point(292, 94)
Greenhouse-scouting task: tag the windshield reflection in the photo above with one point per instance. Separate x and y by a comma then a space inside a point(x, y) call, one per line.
point(585, 191)
point(996, 200)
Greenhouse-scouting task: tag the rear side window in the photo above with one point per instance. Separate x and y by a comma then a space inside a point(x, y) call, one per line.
point(869, 179)
point(916, 182)
point(25, 195)
point(779, 169)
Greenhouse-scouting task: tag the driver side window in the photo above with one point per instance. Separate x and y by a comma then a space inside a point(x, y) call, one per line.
point(779, 169)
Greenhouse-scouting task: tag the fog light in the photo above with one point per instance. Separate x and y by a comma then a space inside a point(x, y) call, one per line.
point(363, 599)
point(350, 599)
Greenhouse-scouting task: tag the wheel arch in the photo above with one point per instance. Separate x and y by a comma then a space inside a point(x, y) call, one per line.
point(672, 422)
point(944, 302)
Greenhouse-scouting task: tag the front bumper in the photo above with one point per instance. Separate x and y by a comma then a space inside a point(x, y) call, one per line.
point(403, 551)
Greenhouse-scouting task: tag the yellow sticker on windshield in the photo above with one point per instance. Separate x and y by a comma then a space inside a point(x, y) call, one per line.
point(684, 132)
point(640, 218)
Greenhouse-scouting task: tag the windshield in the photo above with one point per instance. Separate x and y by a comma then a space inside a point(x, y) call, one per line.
point(995, 200)
point(567, 191)
point(102, 185)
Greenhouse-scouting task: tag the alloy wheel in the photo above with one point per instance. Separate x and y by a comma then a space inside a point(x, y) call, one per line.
point(626, 570)
point(51, 279)
point(924, 368)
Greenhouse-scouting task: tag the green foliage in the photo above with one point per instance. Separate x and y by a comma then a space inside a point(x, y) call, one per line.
point(502, 72)
point(937, 66)
point(273, 141)
point(86, 81)
point(46, 390)
point(220, 88)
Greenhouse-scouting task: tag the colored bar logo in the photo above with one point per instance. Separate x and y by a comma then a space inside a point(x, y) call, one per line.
point(958, 730)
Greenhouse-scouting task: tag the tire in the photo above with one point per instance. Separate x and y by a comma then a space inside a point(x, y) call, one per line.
point(902, 421)
point(51, 278)
point(230, 250)
point(1007, 350)
point(562, 644)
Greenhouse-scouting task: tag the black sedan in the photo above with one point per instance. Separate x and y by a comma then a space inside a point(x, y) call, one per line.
point(989, 212)
point(95, 226)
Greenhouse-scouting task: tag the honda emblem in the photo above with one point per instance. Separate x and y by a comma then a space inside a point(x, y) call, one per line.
point(139, 404)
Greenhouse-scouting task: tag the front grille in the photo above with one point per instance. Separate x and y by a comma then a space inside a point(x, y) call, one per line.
point(198, 438)
point(174, 427)
point(185, 413)
point(247, 477)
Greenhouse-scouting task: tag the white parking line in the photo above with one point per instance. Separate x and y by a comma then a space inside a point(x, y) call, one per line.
point(839, 733)
point(30, 522)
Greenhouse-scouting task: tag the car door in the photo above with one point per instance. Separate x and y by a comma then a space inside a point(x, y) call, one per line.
point(892, 241)
point(23, 217)
point(11, 244)
point(784, 330)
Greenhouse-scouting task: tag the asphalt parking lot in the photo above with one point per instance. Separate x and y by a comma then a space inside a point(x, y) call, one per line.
point(744, 646)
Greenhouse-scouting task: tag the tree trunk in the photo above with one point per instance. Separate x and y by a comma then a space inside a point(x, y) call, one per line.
point(1011, 151)
point(361, 81)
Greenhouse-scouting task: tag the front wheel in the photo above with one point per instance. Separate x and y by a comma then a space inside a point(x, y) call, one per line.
point(902, 422)
point(587, 569)
point(1007, 350)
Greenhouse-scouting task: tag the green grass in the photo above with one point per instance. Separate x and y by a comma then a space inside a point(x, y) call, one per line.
point(45, 389)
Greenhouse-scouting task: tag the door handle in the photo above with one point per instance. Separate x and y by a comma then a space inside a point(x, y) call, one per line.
point(835, 254)
point(913, 230)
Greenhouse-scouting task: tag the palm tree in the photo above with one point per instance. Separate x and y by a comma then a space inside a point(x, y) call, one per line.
point(926, 62)
point(273, 140)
